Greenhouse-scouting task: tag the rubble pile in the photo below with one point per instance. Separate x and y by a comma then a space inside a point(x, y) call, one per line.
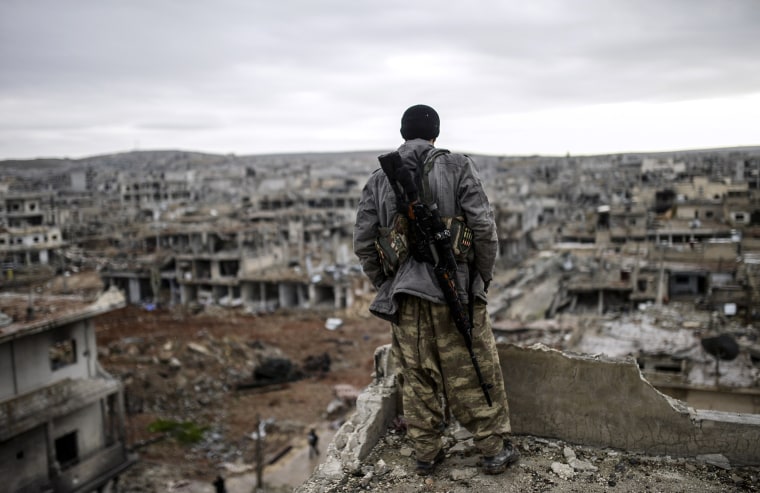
point(221, 372)
point(545, 465)
point(676, 332)
point(172, 377)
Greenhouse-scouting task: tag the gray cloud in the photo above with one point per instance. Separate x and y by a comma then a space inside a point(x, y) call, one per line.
point(287, 71)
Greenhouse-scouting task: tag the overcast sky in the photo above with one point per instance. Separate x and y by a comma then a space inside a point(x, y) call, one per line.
point(85, 77)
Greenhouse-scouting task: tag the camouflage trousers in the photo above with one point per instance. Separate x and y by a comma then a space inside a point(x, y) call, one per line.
point(437, 377)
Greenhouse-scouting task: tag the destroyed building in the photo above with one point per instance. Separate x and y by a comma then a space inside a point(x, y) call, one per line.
point(275, 231)
point(62, 422)
point(263, 256)
point(30, 239)
point(676, 239)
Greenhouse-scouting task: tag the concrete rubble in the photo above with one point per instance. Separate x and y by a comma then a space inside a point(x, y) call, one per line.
point(366, 448)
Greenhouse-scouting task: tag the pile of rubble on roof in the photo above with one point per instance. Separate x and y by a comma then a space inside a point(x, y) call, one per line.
point(545, 465)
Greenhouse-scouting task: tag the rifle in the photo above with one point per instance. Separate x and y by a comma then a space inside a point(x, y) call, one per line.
point(431, 233)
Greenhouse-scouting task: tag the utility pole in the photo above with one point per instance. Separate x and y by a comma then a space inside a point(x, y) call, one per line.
point(259, 436)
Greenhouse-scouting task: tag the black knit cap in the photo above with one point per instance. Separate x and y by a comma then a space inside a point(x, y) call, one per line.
point(420, 122)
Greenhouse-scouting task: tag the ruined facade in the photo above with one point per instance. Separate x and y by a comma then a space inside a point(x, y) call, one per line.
point(62, 423)
point(30, 239)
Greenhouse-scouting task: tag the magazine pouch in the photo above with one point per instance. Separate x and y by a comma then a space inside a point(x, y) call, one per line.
point(392, 244)
point(461, 238)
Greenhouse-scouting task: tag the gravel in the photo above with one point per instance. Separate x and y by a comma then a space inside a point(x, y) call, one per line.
point(545, 466)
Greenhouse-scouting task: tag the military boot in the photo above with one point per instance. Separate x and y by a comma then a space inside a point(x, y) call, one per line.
point(497, 464)
point(425, 468)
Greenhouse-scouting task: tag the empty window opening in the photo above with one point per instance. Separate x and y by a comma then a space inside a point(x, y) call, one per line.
point(229, 267)
point(63, 353)
point(662, 365)
point(67, 450)
point(682, 280)
point(668, 367)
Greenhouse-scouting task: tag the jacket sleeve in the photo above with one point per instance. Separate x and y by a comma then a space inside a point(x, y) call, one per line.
point(365, 233)
point(479, 217)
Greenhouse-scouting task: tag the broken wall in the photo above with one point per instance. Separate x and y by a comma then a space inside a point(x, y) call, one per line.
point(579, 399)
point(32, 357)
point(608, 403)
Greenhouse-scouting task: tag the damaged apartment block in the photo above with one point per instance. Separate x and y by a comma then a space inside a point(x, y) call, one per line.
point(278, 250)
point(29, 237)
point(62, 425)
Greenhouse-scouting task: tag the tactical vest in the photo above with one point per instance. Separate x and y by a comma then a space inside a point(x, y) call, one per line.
point(394, 244)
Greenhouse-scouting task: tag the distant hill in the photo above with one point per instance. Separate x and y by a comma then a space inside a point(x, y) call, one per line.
point(180, 159)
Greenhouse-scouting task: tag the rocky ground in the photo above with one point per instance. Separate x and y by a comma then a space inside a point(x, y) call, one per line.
point(196, 382)
point(545, 466)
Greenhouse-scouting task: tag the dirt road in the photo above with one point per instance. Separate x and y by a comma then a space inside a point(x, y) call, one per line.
point(290, 471)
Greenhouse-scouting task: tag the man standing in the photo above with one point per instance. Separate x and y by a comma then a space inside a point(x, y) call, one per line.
point(313, 439)
point(436, 369)
point(219, 486)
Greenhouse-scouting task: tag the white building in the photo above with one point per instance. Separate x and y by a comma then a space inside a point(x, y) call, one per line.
point(61, 415)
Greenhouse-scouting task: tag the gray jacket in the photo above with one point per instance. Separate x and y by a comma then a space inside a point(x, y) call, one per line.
point(458, 191)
